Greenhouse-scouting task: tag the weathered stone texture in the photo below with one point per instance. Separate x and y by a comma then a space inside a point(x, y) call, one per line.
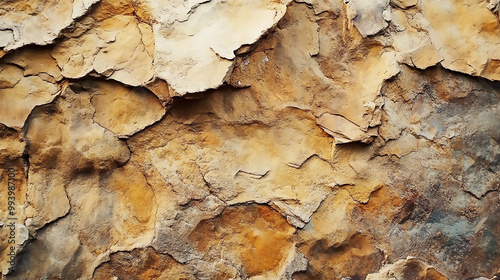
point(269, 139)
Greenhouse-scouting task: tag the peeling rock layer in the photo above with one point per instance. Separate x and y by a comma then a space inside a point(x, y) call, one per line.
point(269, 139)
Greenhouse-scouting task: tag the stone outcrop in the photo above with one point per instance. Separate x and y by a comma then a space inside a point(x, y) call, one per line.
point(269, 139)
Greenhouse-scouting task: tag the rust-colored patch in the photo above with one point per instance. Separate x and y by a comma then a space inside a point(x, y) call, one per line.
point(255, 235)
point(356, 258)
point(457, 85)
point(433, 274)
point(492, 69)
point(109, 8)
point(388, 205)
point(161, 89)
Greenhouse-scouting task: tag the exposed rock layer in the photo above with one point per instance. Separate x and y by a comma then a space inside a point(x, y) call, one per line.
point(250, 139)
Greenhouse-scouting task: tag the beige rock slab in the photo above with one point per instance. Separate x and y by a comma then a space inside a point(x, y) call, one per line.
point(45, 66)
point(358, 101)
point(122, 110)
point(466, 34)
point(11, 144)
point(37, 22)
point(407, 269)
point(343, 130)
point(114, 48)
point(195, 42)
point(19, 98)
point(262, 234)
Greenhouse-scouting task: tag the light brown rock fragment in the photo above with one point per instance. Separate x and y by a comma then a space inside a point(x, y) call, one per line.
point(321, 227)
point(325, 83)
point(354, 171)
point(10, 76)
point(126, 59)
point(409, 36)
point(114, 48)
point(77, 136)
point(492, 70)
point(37, 22)
point(285, 87)
point(106, 9)
point(411, 268)
point(20, 94)
point(406, 144)
point(11, 144)
point(75, 56)
point(47, 200)
point(195, 41)
point(326, 237)
point(117, 201)
point(177, 222)
point(122, 213)
point(356, 257)
point(162, 90)
point(36, 61)
point(426, 57)
point(462, 35)
point(68, 141)
point(259, 161)
point(361, 91)
point(146, 263)
point(263, 236)
point(124, 111)
point(6, 36)
point(109, 212)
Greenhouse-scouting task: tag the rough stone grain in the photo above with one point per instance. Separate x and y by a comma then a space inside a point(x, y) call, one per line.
point(37, 22)
point(195, 40)
point(268, 139)
point(20, 94)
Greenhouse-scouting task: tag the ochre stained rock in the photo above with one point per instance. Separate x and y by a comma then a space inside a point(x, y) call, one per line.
point(119, 48)
point(124, 111)
point(37, 22)
point(267, 139)
point(263, 236)
point(20, 93)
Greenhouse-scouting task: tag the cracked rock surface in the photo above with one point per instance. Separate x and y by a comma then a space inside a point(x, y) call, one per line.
point(269, 139)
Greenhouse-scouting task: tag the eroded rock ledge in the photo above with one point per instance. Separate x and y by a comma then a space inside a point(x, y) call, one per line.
point(240, 139)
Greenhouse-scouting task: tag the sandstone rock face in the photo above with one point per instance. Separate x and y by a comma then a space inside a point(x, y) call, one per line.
point(265, 139)
point(196, 41)
point(37, 22)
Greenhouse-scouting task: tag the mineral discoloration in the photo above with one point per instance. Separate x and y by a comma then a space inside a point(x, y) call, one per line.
point(250, 140)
